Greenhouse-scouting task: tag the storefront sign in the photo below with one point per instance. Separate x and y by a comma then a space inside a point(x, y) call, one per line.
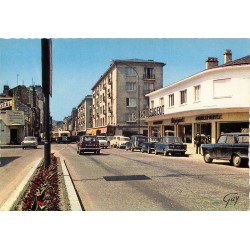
point(177, 120)
point(208, 117)
point(6, 104)
point(15, 118)
point(156, 111)
point(157, 122)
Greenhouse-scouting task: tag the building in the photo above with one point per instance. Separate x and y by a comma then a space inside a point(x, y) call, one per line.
point(210, 102)
point(119, 102)
point(84, 116)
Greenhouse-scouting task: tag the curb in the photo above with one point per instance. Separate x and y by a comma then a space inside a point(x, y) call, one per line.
point(75, 204)
point(20, 188)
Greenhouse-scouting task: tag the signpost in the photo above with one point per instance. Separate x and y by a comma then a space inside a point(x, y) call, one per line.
point(47, 91)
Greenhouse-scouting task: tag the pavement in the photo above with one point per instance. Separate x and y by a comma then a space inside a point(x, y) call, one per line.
point(75, 204)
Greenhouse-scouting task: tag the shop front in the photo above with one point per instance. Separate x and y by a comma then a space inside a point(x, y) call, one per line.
point(209, 125)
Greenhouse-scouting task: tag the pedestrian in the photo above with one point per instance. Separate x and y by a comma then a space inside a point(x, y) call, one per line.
point(197, 141)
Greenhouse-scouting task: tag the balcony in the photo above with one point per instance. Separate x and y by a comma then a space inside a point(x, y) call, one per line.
point(148, 76)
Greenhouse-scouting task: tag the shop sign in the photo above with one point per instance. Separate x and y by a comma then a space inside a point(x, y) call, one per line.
point(156, 111)
point(208, 117)
point(15, 117)
point(157, 122)
point(6, 104)
point(177, 120)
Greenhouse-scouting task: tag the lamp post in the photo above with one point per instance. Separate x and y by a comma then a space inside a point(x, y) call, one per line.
point(138, 97)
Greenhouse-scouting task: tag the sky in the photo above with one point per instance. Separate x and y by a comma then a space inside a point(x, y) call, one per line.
point(79, 63)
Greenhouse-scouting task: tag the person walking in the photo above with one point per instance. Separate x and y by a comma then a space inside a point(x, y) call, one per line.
point(198, 143)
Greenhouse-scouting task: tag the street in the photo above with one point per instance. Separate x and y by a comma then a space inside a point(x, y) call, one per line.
point(124, 181)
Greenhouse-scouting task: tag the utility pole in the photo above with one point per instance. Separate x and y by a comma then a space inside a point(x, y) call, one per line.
point(47, 91)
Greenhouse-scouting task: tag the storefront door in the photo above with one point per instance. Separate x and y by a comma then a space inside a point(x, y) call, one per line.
point(204, 129)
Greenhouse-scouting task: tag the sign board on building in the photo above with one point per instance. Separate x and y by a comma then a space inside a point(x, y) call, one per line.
point(15, 118)
point(6, 104)
point(208, 117)
point(156, 111)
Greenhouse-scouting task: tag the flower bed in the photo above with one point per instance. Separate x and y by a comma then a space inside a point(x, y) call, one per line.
point(46, 190)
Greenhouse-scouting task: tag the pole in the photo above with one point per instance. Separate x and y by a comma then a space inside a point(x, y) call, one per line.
point(46, 82)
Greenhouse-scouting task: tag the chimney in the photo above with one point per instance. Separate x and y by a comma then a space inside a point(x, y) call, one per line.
point(6, 89)
point(227, 56)
point(211, 62)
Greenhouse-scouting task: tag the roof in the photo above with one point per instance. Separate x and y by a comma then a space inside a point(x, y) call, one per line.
point(240, 61)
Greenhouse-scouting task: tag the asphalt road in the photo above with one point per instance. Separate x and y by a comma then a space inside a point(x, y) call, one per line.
point(15, 164)
point(120, 180)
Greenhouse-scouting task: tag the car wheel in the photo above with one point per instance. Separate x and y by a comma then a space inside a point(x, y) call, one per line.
point(142, 150)
point(236, 160)
point(98, 152)
point(132, 149)
point(207, 158)
point(23, 147)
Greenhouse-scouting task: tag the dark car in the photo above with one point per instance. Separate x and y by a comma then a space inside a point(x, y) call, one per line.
point(88, 143)
point(170, 145)
point(136, 142)
point(230, 146)
point(149, 146)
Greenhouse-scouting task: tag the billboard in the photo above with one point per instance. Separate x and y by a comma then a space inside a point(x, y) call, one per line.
point(6, 104)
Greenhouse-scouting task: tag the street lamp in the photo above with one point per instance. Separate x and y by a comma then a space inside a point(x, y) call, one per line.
point(138, 97)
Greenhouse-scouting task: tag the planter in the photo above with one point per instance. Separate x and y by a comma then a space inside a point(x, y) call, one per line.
point(45, 190)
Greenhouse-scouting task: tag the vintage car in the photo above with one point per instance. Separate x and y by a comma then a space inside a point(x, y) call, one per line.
point(29, 142)
point(170, 145)
point(88, 143)
point(136, 142)
point(230, 146)
point(149, 146)
point(121, 143)
point(102, 141)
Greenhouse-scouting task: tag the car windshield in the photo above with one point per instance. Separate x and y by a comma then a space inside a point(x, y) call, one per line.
point(29, 139)
point(243, 139)
point(173, 140)
point(101, 138)
point(125, 139)
point(89, 138)
point(64, 134)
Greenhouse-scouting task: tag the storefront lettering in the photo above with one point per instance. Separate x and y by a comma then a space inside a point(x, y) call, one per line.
point(156, 111)
point(157, 122)
point(208, 117)
point(177, 120)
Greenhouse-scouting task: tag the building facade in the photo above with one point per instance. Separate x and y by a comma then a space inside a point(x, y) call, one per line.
point(84, 116)
point(211, 102)
point(119, 102)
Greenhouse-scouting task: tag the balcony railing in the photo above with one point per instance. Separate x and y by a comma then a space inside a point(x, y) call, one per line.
point(148, 76)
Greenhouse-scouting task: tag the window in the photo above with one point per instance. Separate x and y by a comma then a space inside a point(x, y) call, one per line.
point(148, 86)
point(222, 88)
point(171, 100)
point(161, 101)
point(197, 90)
point(130, 86)
point(183, 96)
point(131, 102)
point(130, 117)
point(130, 71)
point(149, 73)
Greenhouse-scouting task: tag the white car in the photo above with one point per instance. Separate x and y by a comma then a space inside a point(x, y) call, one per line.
point(121, 143)
point(102, 141)
point(29, 142)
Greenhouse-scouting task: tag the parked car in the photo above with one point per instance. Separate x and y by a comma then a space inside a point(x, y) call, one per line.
point(122, 141)
point(229, 146)
point(88, 143)
point(170, 145)
point(136, 142)
point(102, 141)
point(113, 142)
point(29, 142)
point(149, 146)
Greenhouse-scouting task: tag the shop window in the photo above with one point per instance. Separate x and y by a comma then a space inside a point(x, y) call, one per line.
point(197, 90)
point(171, 100)
point(183, 94)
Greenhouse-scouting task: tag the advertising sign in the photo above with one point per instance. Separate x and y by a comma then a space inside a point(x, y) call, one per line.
point(6, 104)
point(15, 118)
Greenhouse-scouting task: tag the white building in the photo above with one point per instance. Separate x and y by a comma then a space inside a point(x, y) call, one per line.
point(210, 102)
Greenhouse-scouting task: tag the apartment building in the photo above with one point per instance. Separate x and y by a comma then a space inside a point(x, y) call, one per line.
point(84, 115)
point(210, 102)
point(119, 102)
